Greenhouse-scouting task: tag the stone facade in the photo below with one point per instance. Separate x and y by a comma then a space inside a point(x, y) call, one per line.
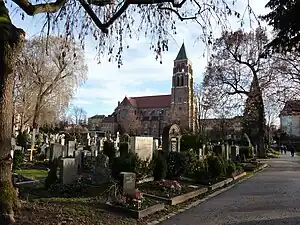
point(290, 118)
point(147, 113)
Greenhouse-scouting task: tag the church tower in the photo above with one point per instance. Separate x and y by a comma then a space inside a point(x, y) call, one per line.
point(182, 104)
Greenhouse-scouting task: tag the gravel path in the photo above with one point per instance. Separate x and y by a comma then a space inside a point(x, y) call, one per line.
point(269, 198)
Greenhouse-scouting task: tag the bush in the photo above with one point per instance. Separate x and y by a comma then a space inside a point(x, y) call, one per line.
point(52, 175)
point(201, 172)
point(22, 139)
point(177, 164)
point(215, 166)
point(109, 149)
point(131, 163)
point(77, 189)
point(160, 166)
point(193, 163)
point(18, 160)
point(124, 148)
point(231, 169)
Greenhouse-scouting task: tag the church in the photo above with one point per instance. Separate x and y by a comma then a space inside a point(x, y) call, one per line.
point(148, 115)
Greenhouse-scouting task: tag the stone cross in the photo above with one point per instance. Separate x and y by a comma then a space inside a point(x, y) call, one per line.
point(31, 153)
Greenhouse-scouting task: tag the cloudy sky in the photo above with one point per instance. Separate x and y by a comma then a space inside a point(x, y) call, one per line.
point(141, 74)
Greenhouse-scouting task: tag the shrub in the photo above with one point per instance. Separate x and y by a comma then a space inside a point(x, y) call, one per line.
point(18, 159)
point(109, 149)
point(52, 175)
point(131, 163)
point(215, 166)
point(231, 169)
point(22, 139)
point(177, 164)
point(77, 189)
point(193, 163)
point(201, 172)
point(160, 166)
point(124, 148)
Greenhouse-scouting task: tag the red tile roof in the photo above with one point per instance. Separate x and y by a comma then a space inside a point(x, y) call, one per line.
point(156, 101)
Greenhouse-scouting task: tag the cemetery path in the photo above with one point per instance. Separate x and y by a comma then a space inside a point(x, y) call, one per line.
point(270, 198)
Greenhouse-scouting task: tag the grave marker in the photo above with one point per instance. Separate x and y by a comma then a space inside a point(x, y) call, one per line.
point(128, 182)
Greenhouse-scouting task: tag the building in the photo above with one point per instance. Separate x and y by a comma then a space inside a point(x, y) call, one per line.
point(147, 115)
point(290, 118)
point(94, 122)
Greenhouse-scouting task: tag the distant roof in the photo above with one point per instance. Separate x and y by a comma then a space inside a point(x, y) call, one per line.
point(97, 117)
point(182, 53)
point(291, 107)
point(108, 119)
point(156, 101)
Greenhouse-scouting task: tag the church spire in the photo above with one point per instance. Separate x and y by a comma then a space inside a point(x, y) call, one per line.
point(182, 53)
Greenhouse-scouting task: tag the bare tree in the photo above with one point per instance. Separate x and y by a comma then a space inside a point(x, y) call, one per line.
point(78, 114)
point(53, 74)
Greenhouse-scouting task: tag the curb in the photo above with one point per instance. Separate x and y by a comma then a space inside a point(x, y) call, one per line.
point(198, 202)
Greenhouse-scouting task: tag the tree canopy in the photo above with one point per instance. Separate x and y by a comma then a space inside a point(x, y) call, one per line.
point(284, 18)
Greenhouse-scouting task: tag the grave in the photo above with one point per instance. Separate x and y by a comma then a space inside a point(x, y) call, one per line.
point(102, 173)
point(55, 151)
point(71, 148)
point(234, 151)
point(68, 170)
point(142, 146)
point(78, 159)
point(128, 182)
point(171, 137)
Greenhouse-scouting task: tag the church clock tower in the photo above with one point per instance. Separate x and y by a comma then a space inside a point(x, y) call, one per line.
point(182, 105)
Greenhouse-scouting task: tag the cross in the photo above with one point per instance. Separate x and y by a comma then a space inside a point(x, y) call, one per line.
point(31, 153)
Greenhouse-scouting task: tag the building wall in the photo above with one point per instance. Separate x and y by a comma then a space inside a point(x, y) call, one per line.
point(290, 125)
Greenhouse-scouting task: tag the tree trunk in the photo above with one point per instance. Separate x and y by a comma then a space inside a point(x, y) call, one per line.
point(36, 116)
point(9, 44)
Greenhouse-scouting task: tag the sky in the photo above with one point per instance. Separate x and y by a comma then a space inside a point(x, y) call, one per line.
point(141, 74)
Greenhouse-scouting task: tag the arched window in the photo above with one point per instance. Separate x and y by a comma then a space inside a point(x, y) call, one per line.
point(182, 81)
point(178, 84)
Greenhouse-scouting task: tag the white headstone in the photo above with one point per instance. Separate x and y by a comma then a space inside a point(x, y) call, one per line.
point(142, 146)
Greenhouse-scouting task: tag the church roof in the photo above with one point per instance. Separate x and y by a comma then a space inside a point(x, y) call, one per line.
point(155, 101)
point(182, 53)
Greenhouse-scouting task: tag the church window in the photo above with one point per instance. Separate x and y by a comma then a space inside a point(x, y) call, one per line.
point(182, 81)
point(178, 82)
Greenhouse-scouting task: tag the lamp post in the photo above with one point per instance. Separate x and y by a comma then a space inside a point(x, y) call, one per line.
point(159, 126)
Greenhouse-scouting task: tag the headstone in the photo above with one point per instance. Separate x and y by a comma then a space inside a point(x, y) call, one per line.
point(128, 182)
point(71, 148)
point(142, 146)
point(13, 143)
point(43, 149)
point(155, 144)
point(234, 152)
point(55, 151)
point(102, 173)
point(64, 151)
point(68, 170)
point(78, 159)
point(227, 150)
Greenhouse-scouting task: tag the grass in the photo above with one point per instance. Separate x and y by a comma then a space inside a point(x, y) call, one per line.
point(34, 174)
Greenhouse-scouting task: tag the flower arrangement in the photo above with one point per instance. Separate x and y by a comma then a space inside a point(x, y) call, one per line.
point(171, 184)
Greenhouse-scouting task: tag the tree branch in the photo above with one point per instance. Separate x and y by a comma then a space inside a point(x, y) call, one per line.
point(32, 10)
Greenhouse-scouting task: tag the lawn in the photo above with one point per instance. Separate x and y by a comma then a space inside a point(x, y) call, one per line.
point(34, 174)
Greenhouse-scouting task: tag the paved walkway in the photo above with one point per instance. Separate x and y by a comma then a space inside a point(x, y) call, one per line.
point(270, 198)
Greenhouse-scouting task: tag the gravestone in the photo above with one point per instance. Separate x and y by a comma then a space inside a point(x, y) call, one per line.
point(142, 146)
point(78, 159)
point(55, 151)
point(43, 149)
point(128, 182)
point(219, 150)
point(174, 138)
point(234, 152)
point(71, 148)
point(102, 173)
point(68, 170)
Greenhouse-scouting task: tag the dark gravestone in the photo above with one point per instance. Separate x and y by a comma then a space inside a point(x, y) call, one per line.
point(218, 150)
point(128, 182)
